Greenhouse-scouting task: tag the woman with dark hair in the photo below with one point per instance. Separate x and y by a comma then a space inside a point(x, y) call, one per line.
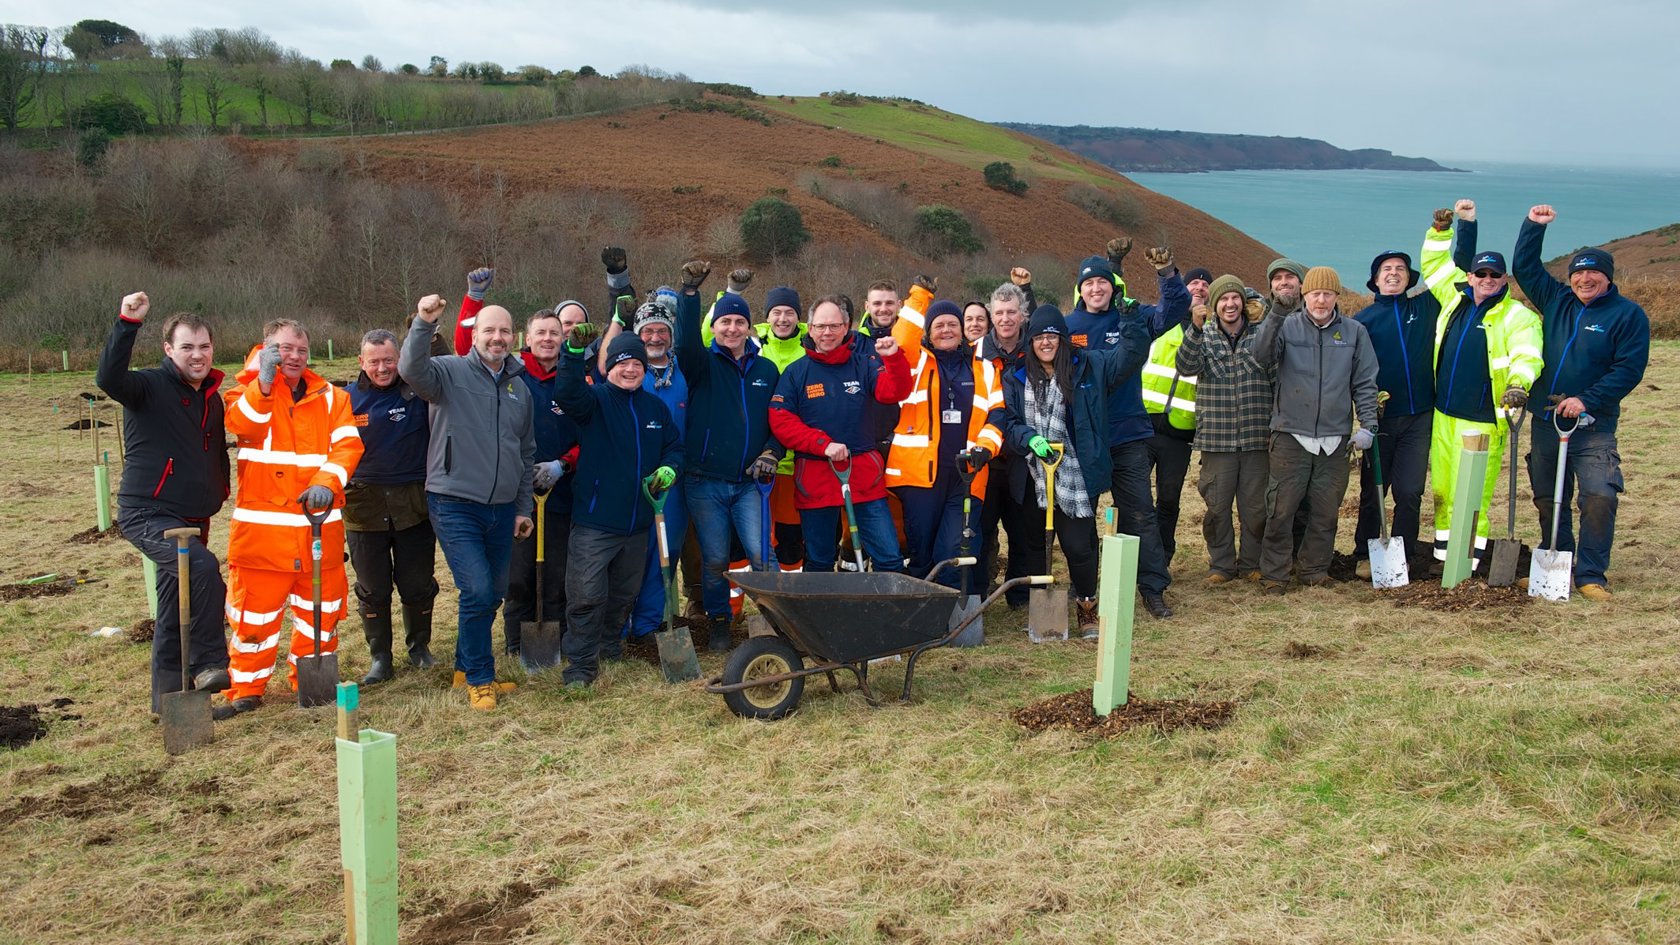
point(1061, 395)
point(976, 320)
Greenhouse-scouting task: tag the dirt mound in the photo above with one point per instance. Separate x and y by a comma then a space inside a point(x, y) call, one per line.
point(1473, 594)
point(20, 725)
point(481, 921)
point(1072, 710)
point(48, 589)
point(142, 630)
point(94, 536)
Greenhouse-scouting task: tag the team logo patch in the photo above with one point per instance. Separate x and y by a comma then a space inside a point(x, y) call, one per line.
point(853, 387)
point(397, 414)
point(1078, 341)
point(813, 391)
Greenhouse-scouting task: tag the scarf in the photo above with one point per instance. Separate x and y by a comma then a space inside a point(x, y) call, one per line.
point(1048, 415)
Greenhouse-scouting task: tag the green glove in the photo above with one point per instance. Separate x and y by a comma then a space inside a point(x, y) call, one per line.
point(1040, 446)
point(664, 476)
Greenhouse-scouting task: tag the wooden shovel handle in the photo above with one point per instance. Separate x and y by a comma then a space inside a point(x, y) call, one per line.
point(182, 534)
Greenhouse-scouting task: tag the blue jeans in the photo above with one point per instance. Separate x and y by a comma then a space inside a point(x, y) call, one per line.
point(477, 542)
point(1134, 504)
point(1595, 470)
point(649, 609)
point(933, 525)
point(875, 530)
point(719, 509)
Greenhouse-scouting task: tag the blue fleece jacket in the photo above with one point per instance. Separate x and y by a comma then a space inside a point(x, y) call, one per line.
point(731, 397)
point(1128, 421)
point(1595, 351)
point(395, 432)
point(623, 436)
point(1402, 334)
point(554, 431)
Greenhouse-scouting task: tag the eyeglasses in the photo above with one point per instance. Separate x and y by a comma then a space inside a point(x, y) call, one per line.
point(1487, 274)
point(816, 328)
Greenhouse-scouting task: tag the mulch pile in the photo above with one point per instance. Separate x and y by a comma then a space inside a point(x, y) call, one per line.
point(94, 536)
point(142, 630)
point(22, 591)
point(22, 724)
point(1072, 710)
point(1471, 595)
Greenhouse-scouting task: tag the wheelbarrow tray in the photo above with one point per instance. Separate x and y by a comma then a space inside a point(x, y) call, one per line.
point(850, 617)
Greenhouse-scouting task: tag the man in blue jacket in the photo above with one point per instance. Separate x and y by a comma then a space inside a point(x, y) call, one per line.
point(625, 436)
point(1095, 323)
point(730, 384)
point(1597, 342)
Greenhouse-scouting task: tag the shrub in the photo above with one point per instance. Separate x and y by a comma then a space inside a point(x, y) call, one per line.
point(1000, 175)
point(843, 98)
point(942, 230)
point(1121, 210)
point(110, 112)
point(91, 147)
point(833, 160)
point(731, 89)
point(772, 227)
point(885, 209)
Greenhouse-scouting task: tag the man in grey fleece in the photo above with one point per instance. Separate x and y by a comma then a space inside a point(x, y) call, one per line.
point(1325, 369)
point(478, 474)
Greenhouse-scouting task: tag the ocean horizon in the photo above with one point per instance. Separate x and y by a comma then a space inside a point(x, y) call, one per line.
point(1343, 218)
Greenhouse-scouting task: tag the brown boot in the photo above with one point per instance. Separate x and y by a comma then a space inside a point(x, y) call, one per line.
point(1087, 607)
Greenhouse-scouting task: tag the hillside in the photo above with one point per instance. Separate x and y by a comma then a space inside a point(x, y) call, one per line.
point(1150, 149)
point(1653, 254)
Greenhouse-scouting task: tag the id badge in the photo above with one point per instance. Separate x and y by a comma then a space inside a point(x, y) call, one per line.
point(950, 416)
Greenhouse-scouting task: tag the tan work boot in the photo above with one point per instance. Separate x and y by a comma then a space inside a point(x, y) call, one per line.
point(1087, 609)
point(1597, 593)
point(1214, 579)
point(502, 688)
point(1252, 577)
point(482, 698)
point(1363, 569)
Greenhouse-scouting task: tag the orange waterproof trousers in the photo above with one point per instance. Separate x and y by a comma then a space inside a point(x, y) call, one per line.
point(256, 600)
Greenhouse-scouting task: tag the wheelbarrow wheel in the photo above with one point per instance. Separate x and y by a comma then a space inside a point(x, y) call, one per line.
point(757, 658)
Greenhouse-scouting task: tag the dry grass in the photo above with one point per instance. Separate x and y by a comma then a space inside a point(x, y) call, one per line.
point(1400, 775)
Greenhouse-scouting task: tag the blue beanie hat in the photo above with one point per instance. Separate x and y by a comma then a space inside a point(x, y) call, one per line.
point(1047, 319)
point(624, 347)
point(943, 307)
point(1094, 267)
point(730, 304)
point(782, 295)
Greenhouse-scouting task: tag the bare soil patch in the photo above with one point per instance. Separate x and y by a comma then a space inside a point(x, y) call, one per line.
point(481, 921)
point(1471, 595)
point(1072, 710)
point(111, 794)
point(93, 536)
point(30, 591)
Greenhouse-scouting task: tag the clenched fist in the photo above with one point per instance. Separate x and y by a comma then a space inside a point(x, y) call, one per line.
point(1020, 276)
point(581, 335)
point(430, 308)
point(1465, 208)
point(886, 346)
point(1160, 257)
point(739, 279)
point(135, 306)
point(615, 259)
point(695, 272)
point(1254, 309)
point(478, 282)
point(930, 283)
point(1198, 316)
point(1443, 219)
point(1117, 249)
point(1542, 213)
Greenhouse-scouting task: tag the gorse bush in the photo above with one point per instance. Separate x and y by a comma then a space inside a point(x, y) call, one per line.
point(1000, 175)
point(771, 228)
point(1111, 207)
point(942, 231)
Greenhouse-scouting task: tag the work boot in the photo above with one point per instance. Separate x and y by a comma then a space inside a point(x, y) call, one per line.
point(1156, 602)
point(482, 698)
point(213, 679)
point(377, 628)
point(1216, 578)
point(1087, 609)
point(502, 687)
point(1272, 588)
point(719, 630)
point(1363, 569)
point(417, 634)
point(222, 713)
point(1252, 577)
point(1597, 593)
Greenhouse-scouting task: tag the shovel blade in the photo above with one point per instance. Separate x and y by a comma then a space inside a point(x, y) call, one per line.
point(317, 679)
point(677, 659)
point(539, 645)
point(1388, 563)
point(185, 717)
point(975, 633)
point(1047, 614)
point(1502, 562)
point(1549, 573)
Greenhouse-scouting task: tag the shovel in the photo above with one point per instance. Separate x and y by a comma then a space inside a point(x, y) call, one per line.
point(845, 477)
point(1047, 607)
point(677, 659)
point(1388, 553)
point(317, 673)
point(1507, 551)
point(1550, 571)
point(539, 640)
point(185, 715)
point(758, 625)
point(975, 633)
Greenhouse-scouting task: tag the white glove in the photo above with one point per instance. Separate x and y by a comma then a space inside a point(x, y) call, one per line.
point(547, 474)
point(1363, 438)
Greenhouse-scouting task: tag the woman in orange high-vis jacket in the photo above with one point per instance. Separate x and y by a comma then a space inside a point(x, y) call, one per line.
point(947, 413)
point(296, 442)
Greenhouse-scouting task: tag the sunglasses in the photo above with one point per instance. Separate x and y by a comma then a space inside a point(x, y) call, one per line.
point(1488, 274)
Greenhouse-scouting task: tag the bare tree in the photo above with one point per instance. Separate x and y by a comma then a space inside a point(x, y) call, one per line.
point(23, 61)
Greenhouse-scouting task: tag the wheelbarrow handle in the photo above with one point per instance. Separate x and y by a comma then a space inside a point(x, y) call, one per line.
point(998, 592)
point(962, 561)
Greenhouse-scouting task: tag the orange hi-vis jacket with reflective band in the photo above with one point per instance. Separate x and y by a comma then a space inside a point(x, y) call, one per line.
point(913, 459)
point(285, 446)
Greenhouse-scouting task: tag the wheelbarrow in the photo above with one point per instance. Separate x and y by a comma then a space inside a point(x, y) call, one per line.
point(831, 621)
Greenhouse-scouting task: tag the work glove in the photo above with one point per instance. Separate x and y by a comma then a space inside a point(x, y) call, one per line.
point(1020, 275)
point(739, 279)
point(478, 283)
point(1515, 398)
point(582, 334)
point(1382, 402)
point(618, 266)
point(978, 456)
point(1117, 249)
point(663, 477)
point(1040, 447)
point(930, 283)
point(764, 466)
point(1160, 257)
point(1363, 438)
point(317, 498)
point(545, 475)
point(1443, 219)
point(267, 363)
point(1254, 309)
point(694, 273)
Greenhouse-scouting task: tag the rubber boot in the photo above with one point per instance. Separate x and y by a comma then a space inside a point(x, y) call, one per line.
point(417, 634)
point(719, 641)
point(1087, 608)
point(377, 628)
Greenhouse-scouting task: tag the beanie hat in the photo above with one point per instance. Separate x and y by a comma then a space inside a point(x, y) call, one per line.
point(1489, 260)
point(1094, 267)
point(1226, 284)
point(1411, 273)
point(653, 312)
point(1284, 262)
point(1197, 273)
point(782, 295)
point(624, 348)
point(943, 307)
point(1321, 278)
point(560, 306)
point(1595, 259)
point(1047, 319)
point(730, 304)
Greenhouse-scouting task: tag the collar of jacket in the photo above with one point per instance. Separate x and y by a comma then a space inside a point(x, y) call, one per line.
point(767, 335)
point(962, 350)
point(840, 355)
point(535, 368)
point(749, 350)
point(212, 380)
point(1470, 294)
point(511, 365)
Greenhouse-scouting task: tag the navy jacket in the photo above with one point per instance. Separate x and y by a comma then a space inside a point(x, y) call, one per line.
point(1128, 421)
point(623, 436)
point(1402, 334)
point(555, 432)
point(1596, 351)
point(395, 432)
point(729, 399)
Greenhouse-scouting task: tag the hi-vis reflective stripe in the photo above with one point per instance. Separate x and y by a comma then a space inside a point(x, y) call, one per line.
point(912, 316)
point(987, 403)
point(251, 412)
point(919, 396)
point(894, 471)
point(257, 454)
point(469, 322)
point(287, 519)
point(338, 471)
point(250, 617)
point(992, 437)
point(1162, 370)
point(1179, 403)
point(240, 677)
point(267, 643)
point(344, 433)
point(911, 440)
point(304, 627)
point(305, 605)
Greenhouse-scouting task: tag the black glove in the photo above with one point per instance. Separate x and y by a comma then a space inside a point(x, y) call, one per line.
point(615, 259)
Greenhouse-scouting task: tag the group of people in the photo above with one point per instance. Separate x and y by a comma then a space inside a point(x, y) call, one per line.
point(941, 422)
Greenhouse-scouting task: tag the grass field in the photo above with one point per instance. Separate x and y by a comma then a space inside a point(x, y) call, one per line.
point(1393, 775)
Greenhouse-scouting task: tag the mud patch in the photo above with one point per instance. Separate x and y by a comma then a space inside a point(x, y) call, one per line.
point(1072, 710)
point(24, 489)
point(1471, 595)
point(481, 921)
point(1342, 566)
point(642, 650)
point(111, 794)
point(142, 630)
point(30, 591)
point(1296, 650)
point(93, 536)
point(20, 725)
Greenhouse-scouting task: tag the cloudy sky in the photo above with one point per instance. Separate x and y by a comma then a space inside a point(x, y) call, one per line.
point(1539, 81)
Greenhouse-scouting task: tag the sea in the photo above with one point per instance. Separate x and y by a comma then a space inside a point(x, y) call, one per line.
point(1344, 218)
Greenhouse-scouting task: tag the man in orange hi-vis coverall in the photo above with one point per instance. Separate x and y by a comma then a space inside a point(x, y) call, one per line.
point(298, 446)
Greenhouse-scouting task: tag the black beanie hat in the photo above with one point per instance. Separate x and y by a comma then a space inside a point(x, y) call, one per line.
point(1047, 319)
point(624, 347)
point(1595, 259)
point(1198, 273)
